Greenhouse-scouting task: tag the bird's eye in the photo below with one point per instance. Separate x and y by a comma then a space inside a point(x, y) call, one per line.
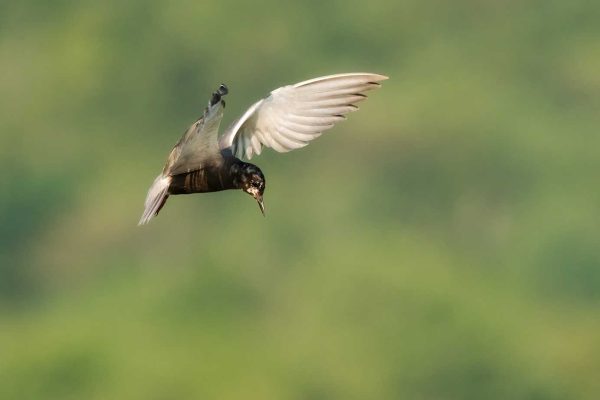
point(255, 184)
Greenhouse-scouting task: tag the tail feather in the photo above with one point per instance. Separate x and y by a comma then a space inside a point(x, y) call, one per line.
point(157, 196)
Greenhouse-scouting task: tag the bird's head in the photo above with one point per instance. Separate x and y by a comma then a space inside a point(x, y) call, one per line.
point(252, 181)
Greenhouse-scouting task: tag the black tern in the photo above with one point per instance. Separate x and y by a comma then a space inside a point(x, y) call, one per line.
point(288, 119)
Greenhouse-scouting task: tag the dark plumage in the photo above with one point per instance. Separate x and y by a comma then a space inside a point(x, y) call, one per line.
point(287, 119)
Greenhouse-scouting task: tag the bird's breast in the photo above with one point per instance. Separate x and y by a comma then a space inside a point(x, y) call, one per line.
point(212, 179)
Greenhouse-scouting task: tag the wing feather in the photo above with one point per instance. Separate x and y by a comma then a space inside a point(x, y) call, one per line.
point(198, 144)
point(291, 116)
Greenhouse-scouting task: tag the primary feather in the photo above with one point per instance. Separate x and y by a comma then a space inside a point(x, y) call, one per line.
point(291, 116)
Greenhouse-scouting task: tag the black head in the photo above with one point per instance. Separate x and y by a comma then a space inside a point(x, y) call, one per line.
point(252, 181)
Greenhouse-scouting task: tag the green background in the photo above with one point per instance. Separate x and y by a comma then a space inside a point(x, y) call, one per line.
point(443, 243)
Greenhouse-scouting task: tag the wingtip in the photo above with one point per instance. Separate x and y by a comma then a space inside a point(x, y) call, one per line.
point(218, 94)
point(376, 80)
point(374, 77)
point(380, 78)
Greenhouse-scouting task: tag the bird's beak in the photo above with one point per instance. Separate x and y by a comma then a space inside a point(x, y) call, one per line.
point(261, 204)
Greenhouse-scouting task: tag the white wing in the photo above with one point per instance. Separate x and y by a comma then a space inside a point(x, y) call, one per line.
point(294, 115)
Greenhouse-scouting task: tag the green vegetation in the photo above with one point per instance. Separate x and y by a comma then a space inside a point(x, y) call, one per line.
point(441, 244)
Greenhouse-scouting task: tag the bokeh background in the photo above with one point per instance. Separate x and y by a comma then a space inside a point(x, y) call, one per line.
point(443, 243)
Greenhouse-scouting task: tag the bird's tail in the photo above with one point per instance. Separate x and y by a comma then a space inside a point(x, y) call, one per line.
point(156, 198)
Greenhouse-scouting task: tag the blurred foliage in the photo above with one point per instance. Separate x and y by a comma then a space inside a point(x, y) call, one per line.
point(441, 244)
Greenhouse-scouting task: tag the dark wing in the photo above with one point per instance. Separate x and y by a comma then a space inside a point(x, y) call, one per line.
point(199, 144)
point(294, 115)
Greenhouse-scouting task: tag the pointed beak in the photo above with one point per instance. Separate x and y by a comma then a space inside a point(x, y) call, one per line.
point(261, 204)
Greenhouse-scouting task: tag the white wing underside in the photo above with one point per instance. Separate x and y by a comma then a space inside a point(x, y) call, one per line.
point(294, 115)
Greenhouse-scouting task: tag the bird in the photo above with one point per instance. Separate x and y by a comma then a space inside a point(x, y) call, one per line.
point(287, 119)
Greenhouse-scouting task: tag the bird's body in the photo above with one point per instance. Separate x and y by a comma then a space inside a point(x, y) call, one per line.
point(213, 178)
point(286, 120)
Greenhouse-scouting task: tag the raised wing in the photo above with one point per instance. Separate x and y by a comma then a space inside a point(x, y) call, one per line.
point(294, 115)
point(199, 143)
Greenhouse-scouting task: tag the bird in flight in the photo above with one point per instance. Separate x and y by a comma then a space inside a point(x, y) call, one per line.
point(288, 119)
